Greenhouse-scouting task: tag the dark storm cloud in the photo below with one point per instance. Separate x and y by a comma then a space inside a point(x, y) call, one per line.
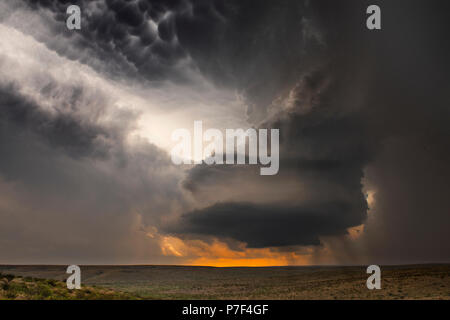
point(409, 108)
point(324, 149)
point(375, 101)
point(323, 141)
point(72, 188)
point(62, 130)
point(37, 144)
point(149, 39)
point(133, 38)
point(346, 100)
point(272, 225)
point(75, 183)
point(254, 46)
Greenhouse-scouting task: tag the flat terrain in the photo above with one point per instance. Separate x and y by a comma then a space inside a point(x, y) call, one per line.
point(183, 282)
point(28, 288)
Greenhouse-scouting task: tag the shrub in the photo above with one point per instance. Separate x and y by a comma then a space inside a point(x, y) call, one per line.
point(4, 285)
point(52, 282)
point(9, 276)
point(11, 295)
point(44, 291)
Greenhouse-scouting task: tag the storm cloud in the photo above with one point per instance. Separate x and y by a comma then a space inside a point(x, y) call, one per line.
point(340, 116)
point(84, 116)
point(273, 225)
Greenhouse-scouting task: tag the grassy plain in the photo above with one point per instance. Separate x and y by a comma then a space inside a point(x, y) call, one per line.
point(185, 282)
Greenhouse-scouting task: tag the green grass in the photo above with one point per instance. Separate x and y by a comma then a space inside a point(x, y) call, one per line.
point(29, 288)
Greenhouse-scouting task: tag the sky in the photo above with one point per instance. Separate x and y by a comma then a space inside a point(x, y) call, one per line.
point(86, 118)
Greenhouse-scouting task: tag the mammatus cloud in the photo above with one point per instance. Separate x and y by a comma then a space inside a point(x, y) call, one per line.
point(133, 38)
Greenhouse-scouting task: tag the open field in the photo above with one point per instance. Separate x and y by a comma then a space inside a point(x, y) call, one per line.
point(28, 288)
point(185, 282)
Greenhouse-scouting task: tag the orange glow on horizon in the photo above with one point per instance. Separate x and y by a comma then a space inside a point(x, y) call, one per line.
point(219, 254)
point(225, 262)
